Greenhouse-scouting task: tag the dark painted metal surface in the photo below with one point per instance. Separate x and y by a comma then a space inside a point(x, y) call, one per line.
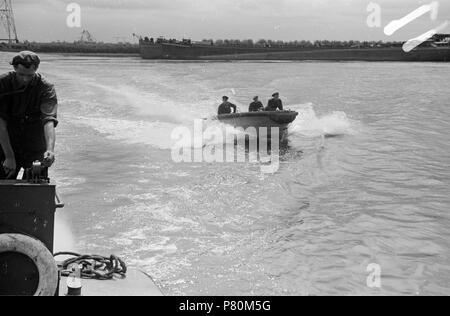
point(28, 209)
point(205, 52)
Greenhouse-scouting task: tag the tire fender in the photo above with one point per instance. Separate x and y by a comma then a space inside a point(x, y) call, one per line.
point(39, 254)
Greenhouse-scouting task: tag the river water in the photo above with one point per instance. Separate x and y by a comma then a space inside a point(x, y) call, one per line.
point(377, 192)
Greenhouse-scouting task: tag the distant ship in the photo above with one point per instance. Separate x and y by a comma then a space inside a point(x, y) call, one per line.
point(436, 49)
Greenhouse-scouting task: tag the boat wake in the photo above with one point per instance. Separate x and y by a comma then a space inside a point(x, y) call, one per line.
point(310, 125)
point(134, 115)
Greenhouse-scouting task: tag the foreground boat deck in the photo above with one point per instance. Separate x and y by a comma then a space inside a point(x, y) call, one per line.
point(137, 283)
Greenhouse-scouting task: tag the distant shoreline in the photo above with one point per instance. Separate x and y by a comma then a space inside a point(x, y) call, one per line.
point(77, 48)
point(78, 54)
point(119, 55)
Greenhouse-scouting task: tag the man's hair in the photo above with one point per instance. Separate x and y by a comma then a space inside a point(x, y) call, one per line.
point(26, 59)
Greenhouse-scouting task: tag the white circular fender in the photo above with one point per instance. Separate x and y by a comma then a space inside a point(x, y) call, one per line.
point(39, 254)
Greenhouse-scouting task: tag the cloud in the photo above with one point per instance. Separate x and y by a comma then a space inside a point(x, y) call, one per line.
point(275, 7)
point(277, 19)
point(244, 7)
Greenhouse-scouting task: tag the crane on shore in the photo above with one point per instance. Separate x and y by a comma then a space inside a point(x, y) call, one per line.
point(7, 22)
point(86, 37)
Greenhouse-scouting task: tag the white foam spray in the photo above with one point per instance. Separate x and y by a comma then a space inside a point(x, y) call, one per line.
point(309, 124)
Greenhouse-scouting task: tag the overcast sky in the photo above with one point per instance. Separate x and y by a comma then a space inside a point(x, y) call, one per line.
point(112, 20)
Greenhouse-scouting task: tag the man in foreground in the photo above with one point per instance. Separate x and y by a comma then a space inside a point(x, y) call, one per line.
point(28, 117)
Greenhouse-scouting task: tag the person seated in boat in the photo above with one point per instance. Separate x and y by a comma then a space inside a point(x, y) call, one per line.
point(225, 107)
point(256, 105)
point(275, 103)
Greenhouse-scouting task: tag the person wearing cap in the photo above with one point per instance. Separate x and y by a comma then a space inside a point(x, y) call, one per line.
point(225, 107)
point(275, 103)
point(28, 117)
point(256, 105)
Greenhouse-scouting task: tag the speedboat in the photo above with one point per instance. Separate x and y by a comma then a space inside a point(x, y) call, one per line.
point(280, 119)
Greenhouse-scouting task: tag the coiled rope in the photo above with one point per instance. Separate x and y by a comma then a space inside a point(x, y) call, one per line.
point(92, 266)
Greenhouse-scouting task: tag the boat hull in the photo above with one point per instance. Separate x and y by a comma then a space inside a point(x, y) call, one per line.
point(177, 51)
point(151, 51)
point(258, 120)
point(226, 53)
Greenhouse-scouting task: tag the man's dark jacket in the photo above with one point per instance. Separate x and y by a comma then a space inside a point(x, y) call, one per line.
point(225, 108)
point(26, 111)
point(256, 106)
point(275, 104)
